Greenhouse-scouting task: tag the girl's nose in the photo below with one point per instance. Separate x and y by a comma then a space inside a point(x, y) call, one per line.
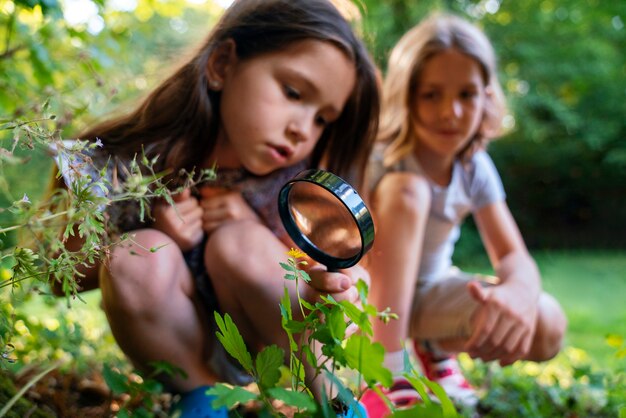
point(301, 128)
point(450, 108)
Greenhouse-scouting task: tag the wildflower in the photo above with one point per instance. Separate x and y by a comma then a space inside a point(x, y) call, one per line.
point(25, 199)
point(295, 253)
point(99, 142)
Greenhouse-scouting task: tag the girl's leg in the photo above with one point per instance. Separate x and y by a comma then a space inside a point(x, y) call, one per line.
point(443, 315)
point(242, 261)
point(148, 298)
point(400, 205)
point(550, 331)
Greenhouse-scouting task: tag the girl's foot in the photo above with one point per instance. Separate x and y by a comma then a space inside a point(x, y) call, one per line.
point(401, 394)
point(445, 371)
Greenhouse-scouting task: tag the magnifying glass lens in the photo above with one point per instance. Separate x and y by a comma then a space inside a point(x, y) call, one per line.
point(324, 220)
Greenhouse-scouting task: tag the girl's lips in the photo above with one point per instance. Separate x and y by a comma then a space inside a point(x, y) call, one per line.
point(448, 133)
point(280, 152)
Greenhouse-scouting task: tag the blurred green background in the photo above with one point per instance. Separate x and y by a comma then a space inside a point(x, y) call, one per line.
point(562, 64)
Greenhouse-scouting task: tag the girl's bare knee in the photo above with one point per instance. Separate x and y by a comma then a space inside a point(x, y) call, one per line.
point(234, 250)
point(551, 327)
point(137, 278)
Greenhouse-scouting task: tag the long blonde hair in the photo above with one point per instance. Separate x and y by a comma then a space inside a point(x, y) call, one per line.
point(437, 33)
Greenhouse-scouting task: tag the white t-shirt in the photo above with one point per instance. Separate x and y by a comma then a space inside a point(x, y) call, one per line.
point(474, 184)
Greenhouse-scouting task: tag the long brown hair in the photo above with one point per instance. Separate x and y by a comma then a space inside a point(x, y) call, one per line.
point(179, 120)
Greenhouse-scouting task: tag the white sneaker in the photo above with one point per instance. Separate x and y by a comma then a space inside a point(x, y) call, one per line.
point(447, 373)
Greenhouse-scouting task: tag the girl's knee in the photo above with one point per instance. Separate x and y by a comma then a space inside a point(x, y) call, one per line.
point(235, 242)
point(141, 274)
point(551, 327)
point(236, 248)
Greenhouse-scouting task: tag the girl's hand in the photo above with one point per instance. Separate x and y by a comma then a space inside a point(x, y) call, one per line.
point(182, 223)
point(340, 285)
point(504, 324)
point(221, 205)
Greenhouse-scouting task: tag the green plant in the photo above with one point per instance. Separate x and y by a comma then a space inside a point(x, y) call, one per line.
point(319, 338)
point(139, 393)
point(76, 210)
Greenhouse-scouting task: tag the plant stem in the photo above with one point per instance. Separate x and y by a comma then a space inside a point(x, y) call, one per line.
point(23, 390)
point(44, 219)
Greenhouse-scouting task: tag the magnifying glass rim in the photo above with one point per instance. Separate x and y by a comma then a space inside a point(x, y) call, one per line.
point(329, 182)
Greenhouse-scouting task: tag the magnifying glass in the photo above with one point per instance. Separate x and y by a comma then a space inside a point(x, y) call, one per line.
point(326, 218)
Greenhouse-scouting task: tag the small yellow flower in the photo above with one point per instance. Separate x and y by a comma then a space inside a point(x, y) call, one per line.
point(295, 253)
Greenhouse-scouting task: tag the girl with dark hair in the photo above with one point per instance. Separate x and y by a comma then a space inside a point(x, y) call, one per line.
point(278, 86)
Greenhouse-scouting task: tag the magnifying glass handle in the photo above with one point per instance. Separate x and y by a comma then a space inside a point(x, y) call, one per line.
point(332, 269)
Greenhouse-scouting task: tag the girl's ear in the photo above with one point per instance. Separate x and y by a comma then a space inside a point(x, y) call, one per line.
point(222, 59)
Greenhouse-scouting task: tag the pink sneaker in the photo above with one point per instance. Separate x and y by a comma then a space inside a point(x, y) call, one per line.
point(447, 373)
point(401, 394)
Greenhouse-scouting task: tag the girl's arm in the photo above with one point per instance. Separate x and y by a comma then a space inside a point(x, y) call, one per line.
point(505, 322)
point(506, 248)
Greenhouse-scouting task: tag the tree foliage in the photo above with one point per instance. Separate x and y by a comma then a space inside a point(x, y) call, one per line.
point(563, 69)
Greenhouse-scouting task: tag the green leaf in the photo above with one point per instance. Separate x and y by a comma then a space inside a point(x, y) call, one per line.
point(295, 327)
point(431, 410)
point(268, 364)
point(117, 382)
point(367, 357)
point(296, 399)
point(288, 267)
point(357, 316)
point(305, 276)
point(232, 341)
point(343, 393)
point(309, 355)
point(447, 407)
point(167, 368)
point(286, 316)
point(420, 387)
point(336, 323)
point(323, 334)
point(228, 397)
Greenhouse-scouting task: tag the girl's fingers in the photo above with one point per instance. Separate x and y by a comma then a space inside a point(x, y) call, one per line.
point(334, 282)
point(513, 346)
point(483, 325)
point(182, 196)
point(210, 192)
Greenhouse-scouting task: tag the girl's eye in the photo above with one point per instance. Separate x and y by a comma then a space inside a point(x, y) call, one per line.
point(468, 94)
point(292, 93)
point(321, 121)
point(428, 95)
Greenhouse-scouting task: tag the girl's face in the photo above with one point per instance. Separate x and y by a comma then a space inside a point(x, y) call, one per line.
point(450, 102)
point(275, 107)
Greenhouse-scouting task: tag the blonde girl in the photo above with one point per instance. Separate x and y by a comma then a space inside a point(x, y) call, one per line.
point(442, 104)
